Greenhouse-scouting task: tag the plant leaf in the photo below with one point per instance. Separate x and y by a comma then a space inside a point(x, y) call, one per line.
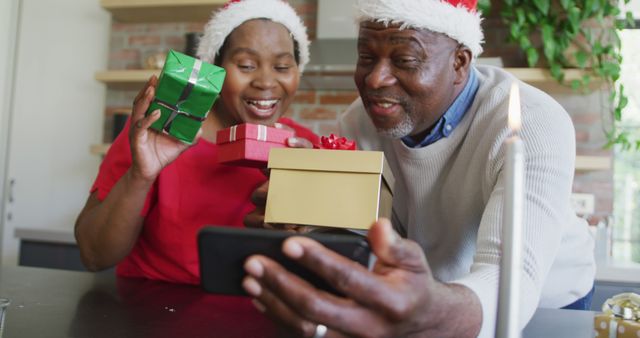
point(573, 15)
point(561, 24)
point(514, 31)
point(532, 56)
point(548, 42)
point(596, 48)
point(524, 42)
point(520, 16)
point(542, 5)
point(611, 70)
point(575, 84)
point(624, 101)
point(556, 72)
point(631, 22)
point(589, 8)
point(485, 7)
point(581, 58)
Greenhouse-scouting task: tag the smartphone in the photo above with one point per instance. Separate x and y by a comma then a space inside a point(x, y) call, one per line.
point(223, 251)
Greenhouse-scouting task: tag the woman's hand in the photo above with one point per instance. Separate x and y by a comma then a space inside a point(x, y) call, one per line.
point(255, 219)
point(151, 151)
point(294, 142)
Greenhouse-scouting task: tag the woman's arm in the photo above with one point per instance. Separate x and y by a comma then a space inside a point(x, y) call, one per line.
point(107, 230)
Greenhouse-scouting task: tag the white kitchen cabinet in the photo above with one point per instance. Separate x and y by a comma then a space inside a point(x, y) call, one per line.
point(56, 113)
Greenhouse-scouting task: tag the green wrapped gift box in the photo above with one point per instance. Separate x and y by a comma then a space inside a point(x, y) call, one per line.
point(187, 88)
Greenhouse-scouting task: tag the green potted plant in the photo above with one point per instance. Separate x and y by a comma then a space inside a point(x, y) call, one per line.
point(583, 34)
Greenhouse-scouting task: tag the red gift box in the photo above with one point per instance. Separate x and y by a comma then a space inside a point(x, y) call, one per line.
point(248, 144)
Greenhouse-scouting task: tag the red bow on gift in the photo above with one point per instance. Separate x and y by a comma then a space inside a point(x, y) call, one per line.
point(334, 142)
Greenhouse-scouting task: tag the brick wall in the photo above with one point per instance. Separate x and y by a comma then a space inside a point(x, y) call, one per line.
point(132, 43)
point(585, 111)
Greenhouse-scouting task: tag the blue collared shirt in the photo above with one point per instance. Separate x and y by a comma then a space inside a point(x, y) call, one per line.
point(449, 121)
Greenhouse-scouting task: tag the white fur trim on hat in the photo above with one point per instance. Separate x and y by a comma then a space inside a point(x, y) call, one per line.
point(226, 19)
point(457, 22)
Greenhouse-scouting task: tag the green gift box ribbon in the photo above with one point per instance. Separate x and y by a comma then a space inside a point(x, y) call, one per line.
point(187, 88)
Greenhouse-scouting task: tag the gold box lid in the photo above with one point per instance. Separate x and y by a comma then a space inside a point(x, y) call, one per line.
point(352, 161)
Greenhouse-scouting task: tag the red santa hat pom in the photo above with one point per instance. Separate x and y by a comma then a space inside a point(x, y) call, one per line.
point(236, 12)
point(458, 19)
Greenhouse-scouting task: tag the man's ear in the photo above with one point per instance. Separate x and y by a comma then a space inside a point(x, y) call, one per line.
point(462, 63)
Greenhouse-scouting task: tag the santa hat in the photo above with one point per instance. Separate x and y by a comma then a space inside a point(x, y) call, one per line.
point(236, 12)
point(458, 19)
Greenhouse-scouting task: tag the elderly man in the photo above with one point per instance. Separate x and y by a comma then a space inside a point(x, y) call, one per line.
point(442, 123)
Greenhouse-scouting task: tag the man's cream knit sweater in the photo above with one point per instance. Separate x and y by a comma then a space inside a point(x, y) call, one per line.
point(448, 197)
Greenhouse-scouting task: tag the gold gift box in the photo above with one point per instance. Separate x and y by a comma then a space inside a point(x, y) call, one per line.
point(620, 317)
point(609, 326)
point(332, 188)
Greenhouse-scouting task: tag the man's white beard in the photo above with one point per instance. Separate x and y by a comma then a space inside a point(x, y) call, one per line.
point(402, 129)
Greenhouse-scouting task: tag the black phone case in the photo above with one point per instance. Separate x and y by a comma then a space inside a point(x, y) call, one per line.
point(223, 251)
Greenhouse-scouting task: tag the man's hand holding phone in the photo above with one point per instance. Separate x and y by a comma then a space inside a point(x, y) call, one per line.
point(223, 251)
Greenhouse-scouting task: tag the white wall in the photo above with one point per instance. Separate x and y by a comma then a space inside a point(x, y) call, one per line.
point(8, 35)
point(8, 20)
point(57, 113)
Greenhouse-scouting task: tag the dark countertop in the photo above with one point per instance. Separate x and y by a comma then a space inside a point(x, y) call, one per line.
point(57, 303)
point(614, 272)
point(61, 236)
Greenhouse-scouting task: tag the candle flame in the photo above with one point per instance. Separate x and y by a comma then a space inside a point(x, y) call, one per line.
point(514, 107)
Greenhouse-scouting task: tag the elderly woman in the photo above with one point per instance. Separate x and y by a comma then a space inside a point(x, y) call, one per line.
point(153, 193)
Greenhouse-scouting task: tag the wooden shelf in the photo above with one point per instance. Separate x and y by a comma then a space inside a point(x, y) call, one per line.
point(593, 163)
point(133, 79)
point(126, 79)
point(99, 149)
point(542, 75)
point(583, 163)
point(136, 11)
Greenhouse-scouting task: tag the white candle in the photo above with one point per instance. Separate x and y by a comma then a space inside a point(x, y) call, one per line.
point(508, 325)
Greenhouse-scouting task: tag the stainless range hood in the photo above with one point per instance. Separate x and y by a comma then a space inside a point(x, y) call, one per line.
point(335, 48)
point(333, 53)
point(331, 66)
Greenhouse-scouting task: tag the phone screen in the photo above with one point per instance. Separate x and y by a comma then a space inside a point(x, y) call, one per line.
point(223, 251)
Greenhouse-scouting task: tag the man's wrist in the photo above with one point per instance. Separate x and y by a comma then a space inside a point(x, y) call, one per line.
point(455, 311)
